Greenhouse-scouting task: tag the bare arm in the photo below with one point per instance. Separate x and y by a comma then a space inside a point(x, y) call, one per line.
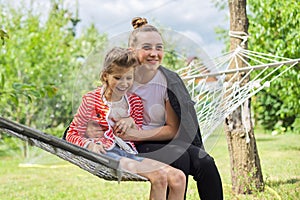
point(166, 132)
point(123, 124)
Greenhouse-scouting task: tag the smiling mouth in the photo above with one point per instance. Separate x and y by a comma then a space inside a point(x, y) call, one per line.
point(152, 61)
point(122, 89)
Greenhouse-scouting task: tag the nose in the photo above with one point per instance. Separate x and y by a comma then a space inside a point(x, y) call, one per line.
point(153, 52)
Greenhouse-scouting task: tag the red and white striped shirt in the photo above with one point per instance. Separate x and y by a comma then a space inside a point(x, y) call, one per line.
point(94, 108)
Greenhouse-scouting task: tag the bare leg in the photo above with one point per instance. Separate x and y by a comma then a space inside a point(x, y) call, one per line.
point(177, 184)
point(160, 176)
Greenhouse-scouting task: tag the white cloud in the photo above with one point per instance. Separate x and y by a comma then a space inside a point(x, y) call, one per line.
point(196, 18)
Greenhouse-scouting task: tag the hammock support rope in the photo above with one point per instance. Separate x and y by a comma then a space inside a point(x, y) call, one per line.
point(219, 86)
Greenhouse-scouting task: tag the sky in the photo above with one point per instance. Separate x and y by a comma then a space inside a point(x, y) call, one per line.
point(194, 19)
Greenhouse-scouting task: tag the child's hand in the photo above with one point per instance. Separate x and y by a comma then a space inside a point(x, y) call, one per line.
point(123, 124)
point(94, 130)
point(96, 147)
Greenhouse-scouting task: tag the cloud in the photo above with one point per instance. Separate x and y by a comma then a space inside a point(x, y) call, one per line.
point(197, 19)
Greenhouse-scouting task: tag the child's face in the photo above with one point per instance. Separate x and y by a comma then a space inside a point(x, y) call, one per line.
point(119, 82)
point(150, 49)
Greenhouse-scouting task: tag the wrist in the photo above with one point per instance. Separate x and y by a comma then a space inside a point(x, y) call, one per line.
point(132, 122)
point(134, 134)
point(87, 144)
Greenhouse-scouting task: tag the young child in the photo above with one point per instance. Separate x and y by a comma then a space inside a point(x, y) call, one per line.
point(109, 111)
point(93, 125)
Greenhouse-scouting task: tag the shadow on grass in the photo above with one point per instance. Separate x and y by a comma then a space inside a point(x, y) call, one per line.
point(283, 182)
point(291, 148)
point(266, 139)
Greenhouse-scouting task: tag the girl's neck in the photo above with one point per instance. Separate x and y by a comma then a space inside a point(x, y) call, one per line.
point(143, 75)
point(109, 96)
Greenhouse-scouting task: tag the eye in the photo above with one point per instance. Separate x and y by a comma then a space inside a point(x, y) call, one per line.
point(129, 78)
point(146, 47)
point(159, 47)
point(117, 77)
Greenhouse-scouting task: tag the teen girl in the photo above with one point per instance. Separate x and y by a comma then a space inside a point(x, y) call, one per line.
point(170, 131)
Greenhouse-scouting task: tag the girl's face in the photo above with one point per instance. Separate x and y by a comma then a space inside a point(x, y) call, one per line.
point(149, 49)
point(118, 82)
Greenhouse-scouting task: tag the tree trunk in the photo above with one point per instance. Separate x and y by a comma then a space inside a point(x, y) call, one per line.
point(244, 160)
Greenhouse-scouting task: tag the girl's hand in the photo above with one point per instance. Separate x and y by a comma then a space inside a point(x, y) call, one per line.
point(123, 124)
point(94, 130)
point(132, 135)
point(96, 147)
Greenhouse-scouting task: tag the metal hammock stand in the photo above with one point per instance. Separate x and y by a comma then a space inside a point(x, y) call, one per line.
point(212, 106)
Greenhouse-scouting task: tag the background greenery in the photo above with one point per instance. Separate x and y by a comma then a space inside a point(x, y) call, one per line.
point(273, 28)
point(40, 60)
point(38, 63)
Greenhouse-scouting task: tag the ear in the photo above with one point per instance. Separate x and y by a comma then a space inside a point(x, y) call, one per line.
point(105, 76)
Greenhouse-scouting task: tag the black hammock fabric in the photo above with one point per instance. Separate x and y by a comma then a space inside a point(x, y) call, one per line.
point(97, 164)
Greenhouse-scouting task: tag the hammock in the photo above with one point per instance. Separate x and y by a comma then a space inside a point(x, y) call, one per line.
point(96, 164)
point(218, 88)
point(215, 96)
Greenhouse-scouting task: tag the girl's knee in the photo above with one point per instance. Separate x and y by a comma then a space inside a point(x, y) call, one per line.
point(177, 178)
point(159, 178)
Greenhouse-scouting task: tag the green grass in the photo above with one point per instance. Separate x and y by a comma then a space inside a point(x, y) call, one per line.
point(57, 179)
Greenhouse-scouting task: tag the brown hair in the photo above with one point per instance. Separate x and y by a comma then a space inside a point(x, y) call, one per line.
point(140, 25)
point(119, 57)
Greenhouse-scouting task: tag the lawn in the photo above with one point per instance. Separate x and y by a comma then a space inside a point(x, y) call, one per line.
point(53, 178)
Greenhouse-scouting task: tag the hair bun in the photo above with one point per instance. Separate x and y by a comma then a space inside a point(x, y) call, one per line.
point(138, 22)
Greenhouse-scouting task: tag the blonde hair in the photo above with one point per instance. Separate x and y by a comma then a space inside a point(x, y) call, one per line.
point(140, 25)
point(118, 57)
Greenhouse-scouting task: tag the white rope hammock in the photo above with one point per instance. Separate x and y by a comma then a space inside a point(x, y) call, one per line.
point(216, 97)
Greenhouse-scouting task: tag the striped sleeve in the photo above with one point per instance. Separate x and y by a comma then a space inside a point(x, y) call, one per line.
point(136, 109)
point(78, 126)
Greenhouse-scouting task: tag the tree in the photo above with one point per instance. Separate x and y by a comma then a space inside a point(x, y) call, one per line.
point(245, 164)
point(38, 63)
